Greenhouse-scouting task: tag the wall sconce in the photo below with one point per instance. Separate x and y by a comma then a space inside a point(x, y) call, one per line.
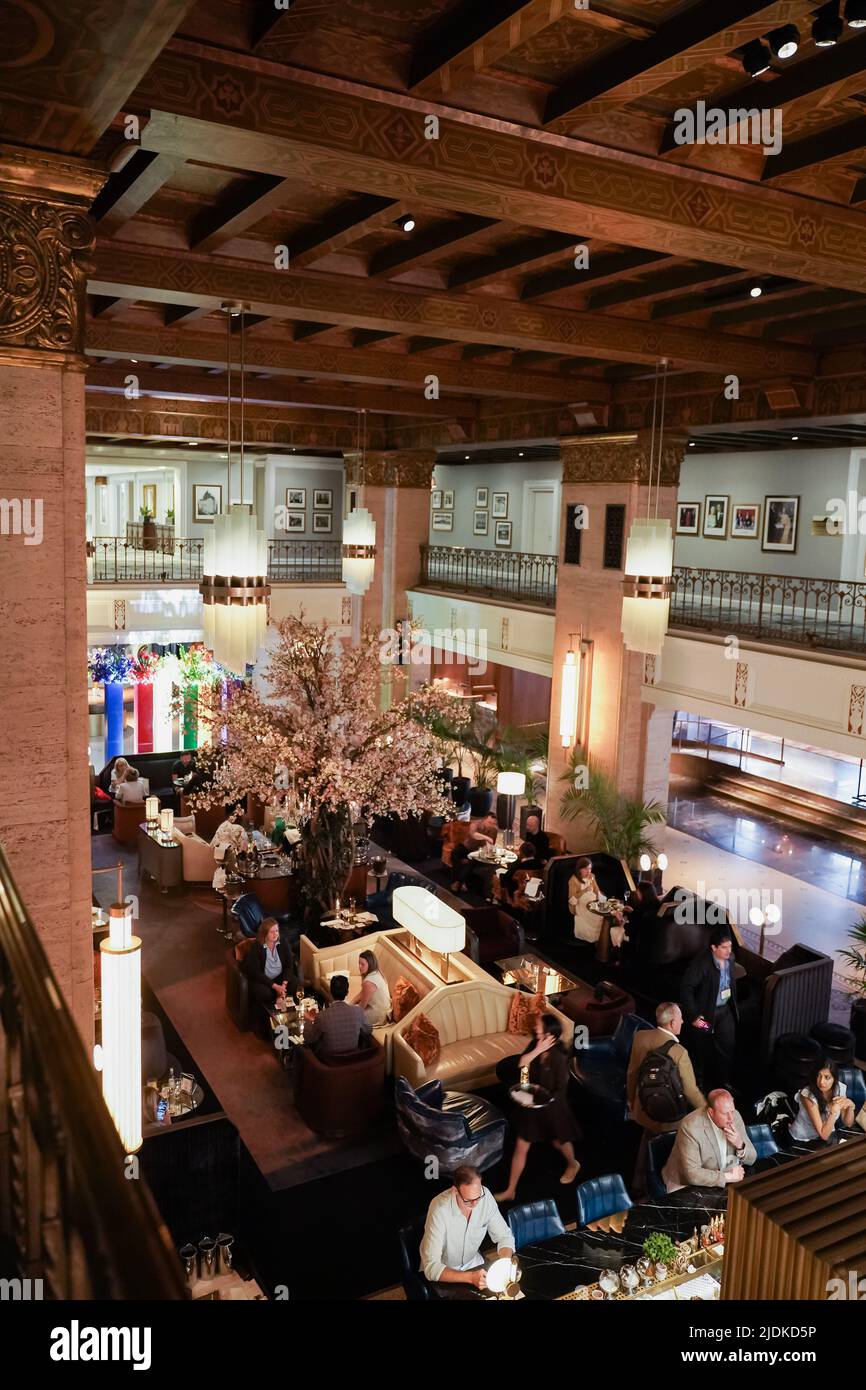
point(575, 692)
point(121, 1025)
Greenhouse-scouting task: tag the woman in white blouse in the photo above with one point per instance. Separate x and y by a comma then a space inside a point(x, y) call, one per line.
point(374, 997)
point(823, 1106)
point(583, 890)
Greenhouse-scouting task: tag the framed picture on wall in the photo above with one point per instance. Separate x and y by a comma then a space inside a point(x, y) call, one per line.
point(502, 535)
point(745, 521)
point(322, 522)
point(436, 499)
point(448, 499)
point(148, 498)
point(479, 524)
point(323, 500)
point(781, 515)
point(295, 521)
point(296, 497)
point(481, 496)
point(716, 517)
point(207, 501)
point(443, 521)
point(688, 518)
point(499, 505)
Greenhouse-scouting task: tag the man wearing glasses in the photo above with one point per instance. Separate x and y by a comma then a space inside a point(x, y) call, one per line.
point(458, 1221)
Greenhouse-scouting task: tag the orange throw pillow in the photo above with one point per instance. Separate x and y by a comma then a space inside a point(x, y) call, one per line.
point(525, 1009)
point(403, 999)
point(423, 1038)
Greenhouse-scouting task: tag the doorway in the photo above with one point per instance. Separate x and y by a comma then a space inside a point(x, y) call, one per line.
point(541, 518)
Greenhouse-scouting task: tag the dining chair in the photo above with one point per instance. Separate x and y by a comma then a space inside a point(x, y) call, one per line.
point(762, 1138)
point(601, 1197)
point(535, 1221)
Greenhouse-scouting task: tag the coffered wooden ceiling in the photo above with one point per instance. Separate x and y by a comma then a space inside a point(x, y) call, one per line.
point(306, 129)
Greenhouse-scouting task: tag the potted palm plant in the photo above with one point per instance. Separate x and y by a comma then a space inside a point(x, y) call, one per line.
point(854, 956)
point(619, 822)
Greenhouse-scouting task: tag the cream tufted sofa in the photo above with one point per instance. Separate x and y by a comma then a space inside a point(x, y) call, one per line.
point(198, 855)
point(395, 959)
point(472, 1021)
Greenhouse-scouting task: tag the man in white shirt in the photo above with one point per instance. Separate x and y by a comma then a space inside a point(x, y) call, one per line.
point(712, 1147)
point(457, 1223)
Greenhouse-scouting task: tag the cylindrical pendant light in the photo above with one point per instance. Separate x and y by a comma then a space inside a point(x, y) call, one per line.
point(120, 956)
point(568, 698)
point(649, 556)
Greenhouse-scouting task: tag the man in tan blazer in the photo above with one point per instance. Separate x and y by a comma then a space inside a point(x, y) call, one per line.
point(712, 1147)
point(669, 1019)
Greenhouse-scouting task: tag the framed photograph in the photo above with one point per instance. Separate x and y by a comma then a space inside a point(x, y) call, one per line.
point(502, 535)
point(479, 524)
point(323, 499)
point(322, 522)
point(295, 521)
point(296, 497)
point(688, 518)
point(148, 498)
point(716, 517)
point(207, 501)
point(436, 499)
point(499, 505)
point(448, 499)
point(745, 521)
point(481, 496)
point(781, 515)
point(443, 521)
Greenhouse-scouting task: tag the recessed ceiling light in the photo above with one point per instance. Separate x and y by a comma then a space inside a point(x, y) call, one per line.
point(691, 443)
point(827, 27)
point(756, 291)
point(795, 437)
point(784, 42)
point(756, 58)
point(855, 13)
point(520, 455)
point(466, 456)
point(407, 223)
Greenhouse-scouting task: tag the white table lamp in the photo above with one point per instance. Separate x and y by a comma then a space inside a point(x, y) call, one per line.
point(430, 921)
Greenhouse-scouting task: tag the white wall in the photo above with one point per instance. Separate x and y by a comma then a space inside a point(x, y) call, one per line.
point(815, 475)
point(517, 637)
point(512, 477)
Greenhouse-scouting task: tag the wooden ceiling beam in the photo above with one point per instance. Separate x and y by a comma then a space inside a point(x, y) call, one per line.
point(174, 314)
point(602, 268)
point(127, 191)
point(846, 138)
point(776, 307)
point(531, 253)
point(276, 29)
point(186, 347)
point(858, 193)
point(705, 31)
point(243, 204)
point(472, 37)
point(376, 142)
point(366, 337)
point(421, 248)
point(102, 308)
point(339, 228)
point(159, 277)
point(659, 286)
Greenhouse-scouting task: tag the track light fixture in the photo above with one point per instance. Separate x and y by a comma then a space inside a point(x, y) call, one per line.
point(855, 14)
point(756, 58)
point(785, 41)
point(407, 223)
point(827, 27)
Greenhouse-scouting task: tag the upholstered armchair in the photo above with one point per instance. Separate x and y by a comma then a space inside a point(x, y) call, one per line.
point(451, 1126)
point(237, 996)
point(492, 934)
point(126, 821)
point(601, 1067)
point(343, 1095)
point(198, 856)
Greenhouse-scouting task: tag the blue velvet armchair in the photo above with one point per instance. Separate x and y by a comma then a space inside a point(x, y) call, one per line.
point(601, 1066)
point(450, 1126)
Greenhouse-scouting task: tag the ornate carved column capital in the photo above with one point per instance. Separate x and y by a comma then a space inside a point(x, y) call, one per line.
point(46, 243)
point(391, 467)
point(620, 458)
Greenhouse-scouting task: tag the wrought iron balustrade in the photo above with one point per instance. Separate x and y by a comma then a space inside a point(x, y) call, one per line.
point(68, 1212)
point(116, 560)
point(493, 573)
point(305, 562)
point(790, 609)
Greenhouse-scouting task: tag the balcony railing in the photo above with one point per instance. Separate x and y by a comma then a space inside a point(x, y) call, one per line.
point(791, 609)
point(496, 574)
point(117, 561)
point(67, 1207)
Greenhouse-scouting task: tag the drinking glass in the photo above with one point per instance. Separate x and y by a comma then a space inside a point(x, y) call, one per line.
point(609, 1281)
point(644, 1269)
point(629, 1278)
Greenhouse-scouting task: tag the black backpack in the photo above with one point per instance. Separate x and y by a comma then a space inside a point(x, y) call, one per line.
point(659, 1088)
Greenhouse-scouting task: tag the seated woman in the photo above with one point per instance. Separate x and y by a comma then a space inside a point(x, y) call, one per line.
point(583, 890)
point(824, 1105)
point(374, 997)
point(269, 967)
point(118, 775)
point(526, 859)
point(547, 1060)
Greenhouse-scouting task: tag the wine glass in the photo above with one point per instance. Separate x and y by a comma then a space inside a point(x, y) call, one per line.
point(644, 1269)
point(629, 1278)
point(609, 1281)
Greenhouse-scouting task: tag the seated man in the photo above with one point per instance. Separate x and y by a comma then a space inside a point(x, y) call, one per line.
point(712, 1147)
point(132, 790)
point(537, 838)
point(457, 1223)
point(341, 1027)
point(183, 769)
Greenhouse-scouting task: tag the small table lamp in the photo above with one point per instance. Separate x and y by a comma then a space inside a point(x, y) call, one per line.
point(430, 921)
point(151, 810)
point(166, 822)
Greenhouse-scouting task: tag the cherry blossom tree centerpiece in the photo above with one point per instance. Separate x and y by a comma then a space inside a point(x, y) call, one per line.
point(318, 741)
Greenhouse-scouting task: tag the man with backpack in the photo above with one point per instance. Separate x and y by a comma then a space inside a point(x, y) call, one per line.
point(660, 1084)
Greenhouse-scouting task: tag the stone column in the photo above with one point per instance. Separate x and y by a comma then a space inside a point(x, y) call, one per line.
point(45, 239)
point(394, 485)
point(626, 739)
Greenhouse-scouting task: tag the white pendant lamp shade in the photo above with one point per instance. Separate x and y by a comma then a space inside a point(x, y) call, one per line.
point(432, 922)
point(568, 697)
point(121, 1025)
point(235, 588)
point(647, 585)
point(359, 550)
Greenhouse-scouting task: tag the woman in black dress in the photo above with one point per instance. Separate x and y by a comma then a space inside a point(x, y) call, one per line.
point(547, 1060)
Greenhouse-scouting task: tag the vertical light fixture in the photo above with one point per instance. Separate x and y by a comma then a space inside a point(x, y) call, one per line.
point(568, 698)
point(359, 533)
point(234, 588)
point(512, 785)
point(649, 556)
point(121, 1025)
